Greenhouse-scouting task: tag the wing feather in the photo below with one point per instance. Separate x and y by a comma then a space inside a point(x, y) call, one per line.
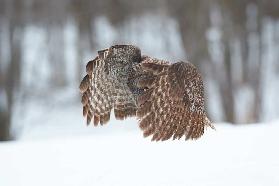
point(167, 98)
point(102, 92)
point(174, 104)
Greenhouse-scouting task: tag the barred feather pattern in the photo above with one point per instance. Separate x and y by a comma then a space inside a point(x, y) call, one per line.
point(173, 105)
point(102, 92)
point(167, 99)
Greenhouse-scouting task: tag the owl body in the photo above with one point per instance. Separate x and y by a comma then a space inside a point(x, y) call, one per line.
point(167, 98)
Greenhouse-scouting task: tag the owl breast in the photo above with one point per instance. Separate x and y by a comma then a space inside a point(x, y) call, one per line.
point(134, 74)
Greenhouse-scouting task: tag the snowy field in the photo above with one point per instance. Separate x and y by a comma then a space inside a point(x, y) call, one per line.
point(117, 154)
point(54, 147)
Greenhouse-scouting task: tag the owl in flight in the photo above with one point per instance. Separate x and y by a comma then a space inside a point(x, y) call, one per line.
point(167, 99)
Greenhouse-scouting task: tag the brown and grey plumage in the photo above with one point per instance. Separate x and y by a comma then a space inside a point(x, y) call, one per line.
point(168, 99)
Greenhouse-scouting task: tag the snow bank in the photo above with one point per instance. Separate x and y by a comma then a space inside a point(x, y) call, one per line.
point(231, 155)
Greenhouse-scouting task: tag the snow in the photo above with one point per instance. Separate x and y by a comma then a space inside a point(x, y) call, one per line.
point(55, 147)
point(231, 155)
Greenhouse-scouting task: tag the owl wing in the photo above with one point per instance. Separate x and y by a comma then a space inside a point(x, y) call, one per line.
point(102, 92)
point(173, 104)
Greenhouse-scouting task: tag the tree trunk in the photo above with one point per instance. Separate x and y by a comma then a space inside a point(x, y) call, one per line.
point(11, 83)
point(227, 85)
point(11, 80)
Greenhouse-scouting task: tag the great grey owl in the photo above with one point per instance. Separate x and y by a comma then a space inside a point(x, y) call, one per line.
point(168, 99)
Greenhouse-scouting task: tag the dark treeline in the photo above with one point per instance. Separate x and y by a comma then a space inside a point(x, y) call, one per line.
point(225, 39)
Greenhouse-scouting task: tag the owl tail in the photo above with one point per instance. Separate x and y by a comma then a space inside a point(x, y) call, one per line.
point(208, 123)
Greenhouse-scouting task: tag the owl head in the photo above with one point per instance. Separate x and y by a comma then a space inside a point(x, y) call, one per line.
point(124, 54)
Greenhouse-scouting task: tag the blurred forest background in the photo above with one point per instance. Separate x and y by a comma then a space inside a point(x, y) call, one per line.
point(44, 46)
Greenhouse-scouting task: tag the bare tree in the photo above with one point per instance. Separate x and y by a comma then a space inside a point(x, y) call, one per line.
point(11, 79)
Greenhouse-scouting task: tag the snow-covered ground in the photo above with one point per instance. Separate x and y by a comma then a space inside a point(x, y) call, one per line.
point(117, 154)
point(56, 148)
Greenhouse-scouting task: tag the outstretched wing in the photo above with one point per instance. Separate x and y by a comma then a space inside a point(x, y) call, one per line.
point(173, 104)
point(102, 91)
